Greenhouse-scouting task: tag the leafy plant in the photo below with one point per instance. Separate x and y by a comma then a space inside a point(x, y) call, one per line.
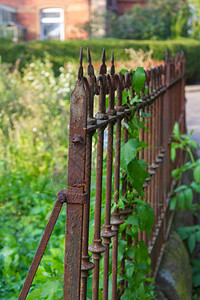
point(183, 195)
point(191, 234)
point(158, 20)
point(196, 272)
point(137, 260)
point(195, 18)
point(33, 159)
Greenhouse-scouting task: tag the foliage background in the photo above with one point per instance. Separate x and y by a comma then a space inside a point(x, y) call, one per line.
point(61, 53)
point(33, 163)
point(156, 20)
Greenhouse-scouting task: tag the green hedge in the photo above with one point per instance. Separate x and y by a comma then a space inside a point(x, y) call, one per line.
point(61, 52)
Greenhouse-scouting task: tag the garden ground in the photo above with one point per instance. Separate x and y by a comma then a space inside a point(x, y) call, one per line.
point(193, 112)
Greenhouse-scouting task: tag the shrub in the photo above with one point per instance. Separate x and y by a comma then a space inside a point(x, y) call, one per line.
point(62, 52)
point(159, 20)
point(34, 113)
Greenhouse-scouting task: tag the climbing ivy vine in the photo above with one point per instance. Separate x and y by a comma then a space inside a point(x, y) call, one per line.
point(137, 261)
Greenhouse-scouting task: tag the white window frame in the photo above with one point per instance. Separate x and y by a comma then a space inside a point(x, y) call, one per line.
point(58, 20)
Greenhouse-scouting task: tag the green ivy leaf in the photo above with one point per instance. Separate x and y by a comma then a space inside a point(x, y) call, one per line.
point(133, 124)
point(197, 236)
point(130, 270)
point(132, 220)
point(185, 136)
point(125, 95)
point(128, 152)
point(173, 202)
point(133, 232)
point(191, 132)
point(122, 245)
point(196, 262)
point(35, 294)
point(191, 242)
point(138, 174)
point(188, 197)
point(138, 80)
point(184, 232)
point(123, 71)
point(196, 280)
point(180, 188)
point(173, 154)
point(142, 253)
point(176, 132)
point(195, 186)
point(140, 201)
point(131, 253)
point(196, 174)
point(193, 144)
point(145, 217)
point(181, 200)
point(140, 276)
point(127, 295)
point(136, 99)
point(146, 90)
point(142, 292)
point(49, 289)
point(145, 115)
point(175, 172)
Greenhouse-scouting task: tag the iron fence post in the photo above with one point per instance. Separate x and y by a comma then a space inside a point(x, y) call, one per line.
point(76, 195)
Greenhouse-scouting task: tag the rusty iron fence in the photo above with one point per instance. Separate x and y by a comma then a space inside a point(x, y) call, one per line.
point(165, 102)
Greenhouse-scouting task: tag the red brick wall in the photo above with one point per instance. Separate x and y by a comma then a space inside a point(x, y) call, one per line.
point(123, 5)
point(28, 14)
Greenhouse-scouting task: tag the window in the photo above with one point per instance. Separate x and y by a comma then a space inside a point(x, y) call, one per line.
point(52, 24)
point(7, 15)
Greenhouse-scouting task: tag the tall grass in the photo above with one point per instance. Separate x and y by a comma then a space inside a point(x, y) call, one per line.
point(34, 114)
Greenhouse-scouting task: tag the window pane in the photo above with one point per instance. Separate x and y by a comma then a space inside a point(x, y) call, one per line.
point(52, 24)
point(5, 17)
point(51, 31)
point(51, 15)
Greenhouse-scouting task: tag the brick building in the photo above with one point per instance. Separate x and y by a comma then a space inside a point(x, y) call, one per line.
point(120, 6)
point(57, 19)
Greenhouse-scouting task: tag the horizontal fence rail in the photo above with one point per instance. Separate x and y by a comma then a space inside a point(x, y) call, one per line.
point(165, 102)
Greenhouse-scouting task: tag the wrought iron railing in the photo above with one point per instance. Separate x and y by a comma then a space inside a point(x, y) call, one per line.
point(165, 102)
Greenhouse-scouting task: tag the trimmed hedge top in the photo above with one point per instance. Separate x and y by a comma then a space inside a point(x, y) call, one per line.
point(62, 52)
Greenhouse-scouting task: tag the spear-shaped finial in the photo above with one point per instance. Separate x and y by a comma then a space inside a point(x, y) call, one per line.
point(103, 56)
point(112, 68)
point(80, 69)
point(112, 57)
point(88, 56)
point(103, 68)
point(81, 56)
point(90, 69)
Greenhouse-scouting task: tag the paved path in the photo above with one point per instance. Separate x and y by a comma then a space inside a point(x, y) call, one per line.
point(193, 111)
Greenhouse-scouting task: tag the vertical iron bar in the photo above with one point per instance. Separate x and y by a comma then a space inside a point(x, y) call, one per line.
point(116, 221)
point(107, 233)
point(97, 248)
point(86, 265)
point(75, 188)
